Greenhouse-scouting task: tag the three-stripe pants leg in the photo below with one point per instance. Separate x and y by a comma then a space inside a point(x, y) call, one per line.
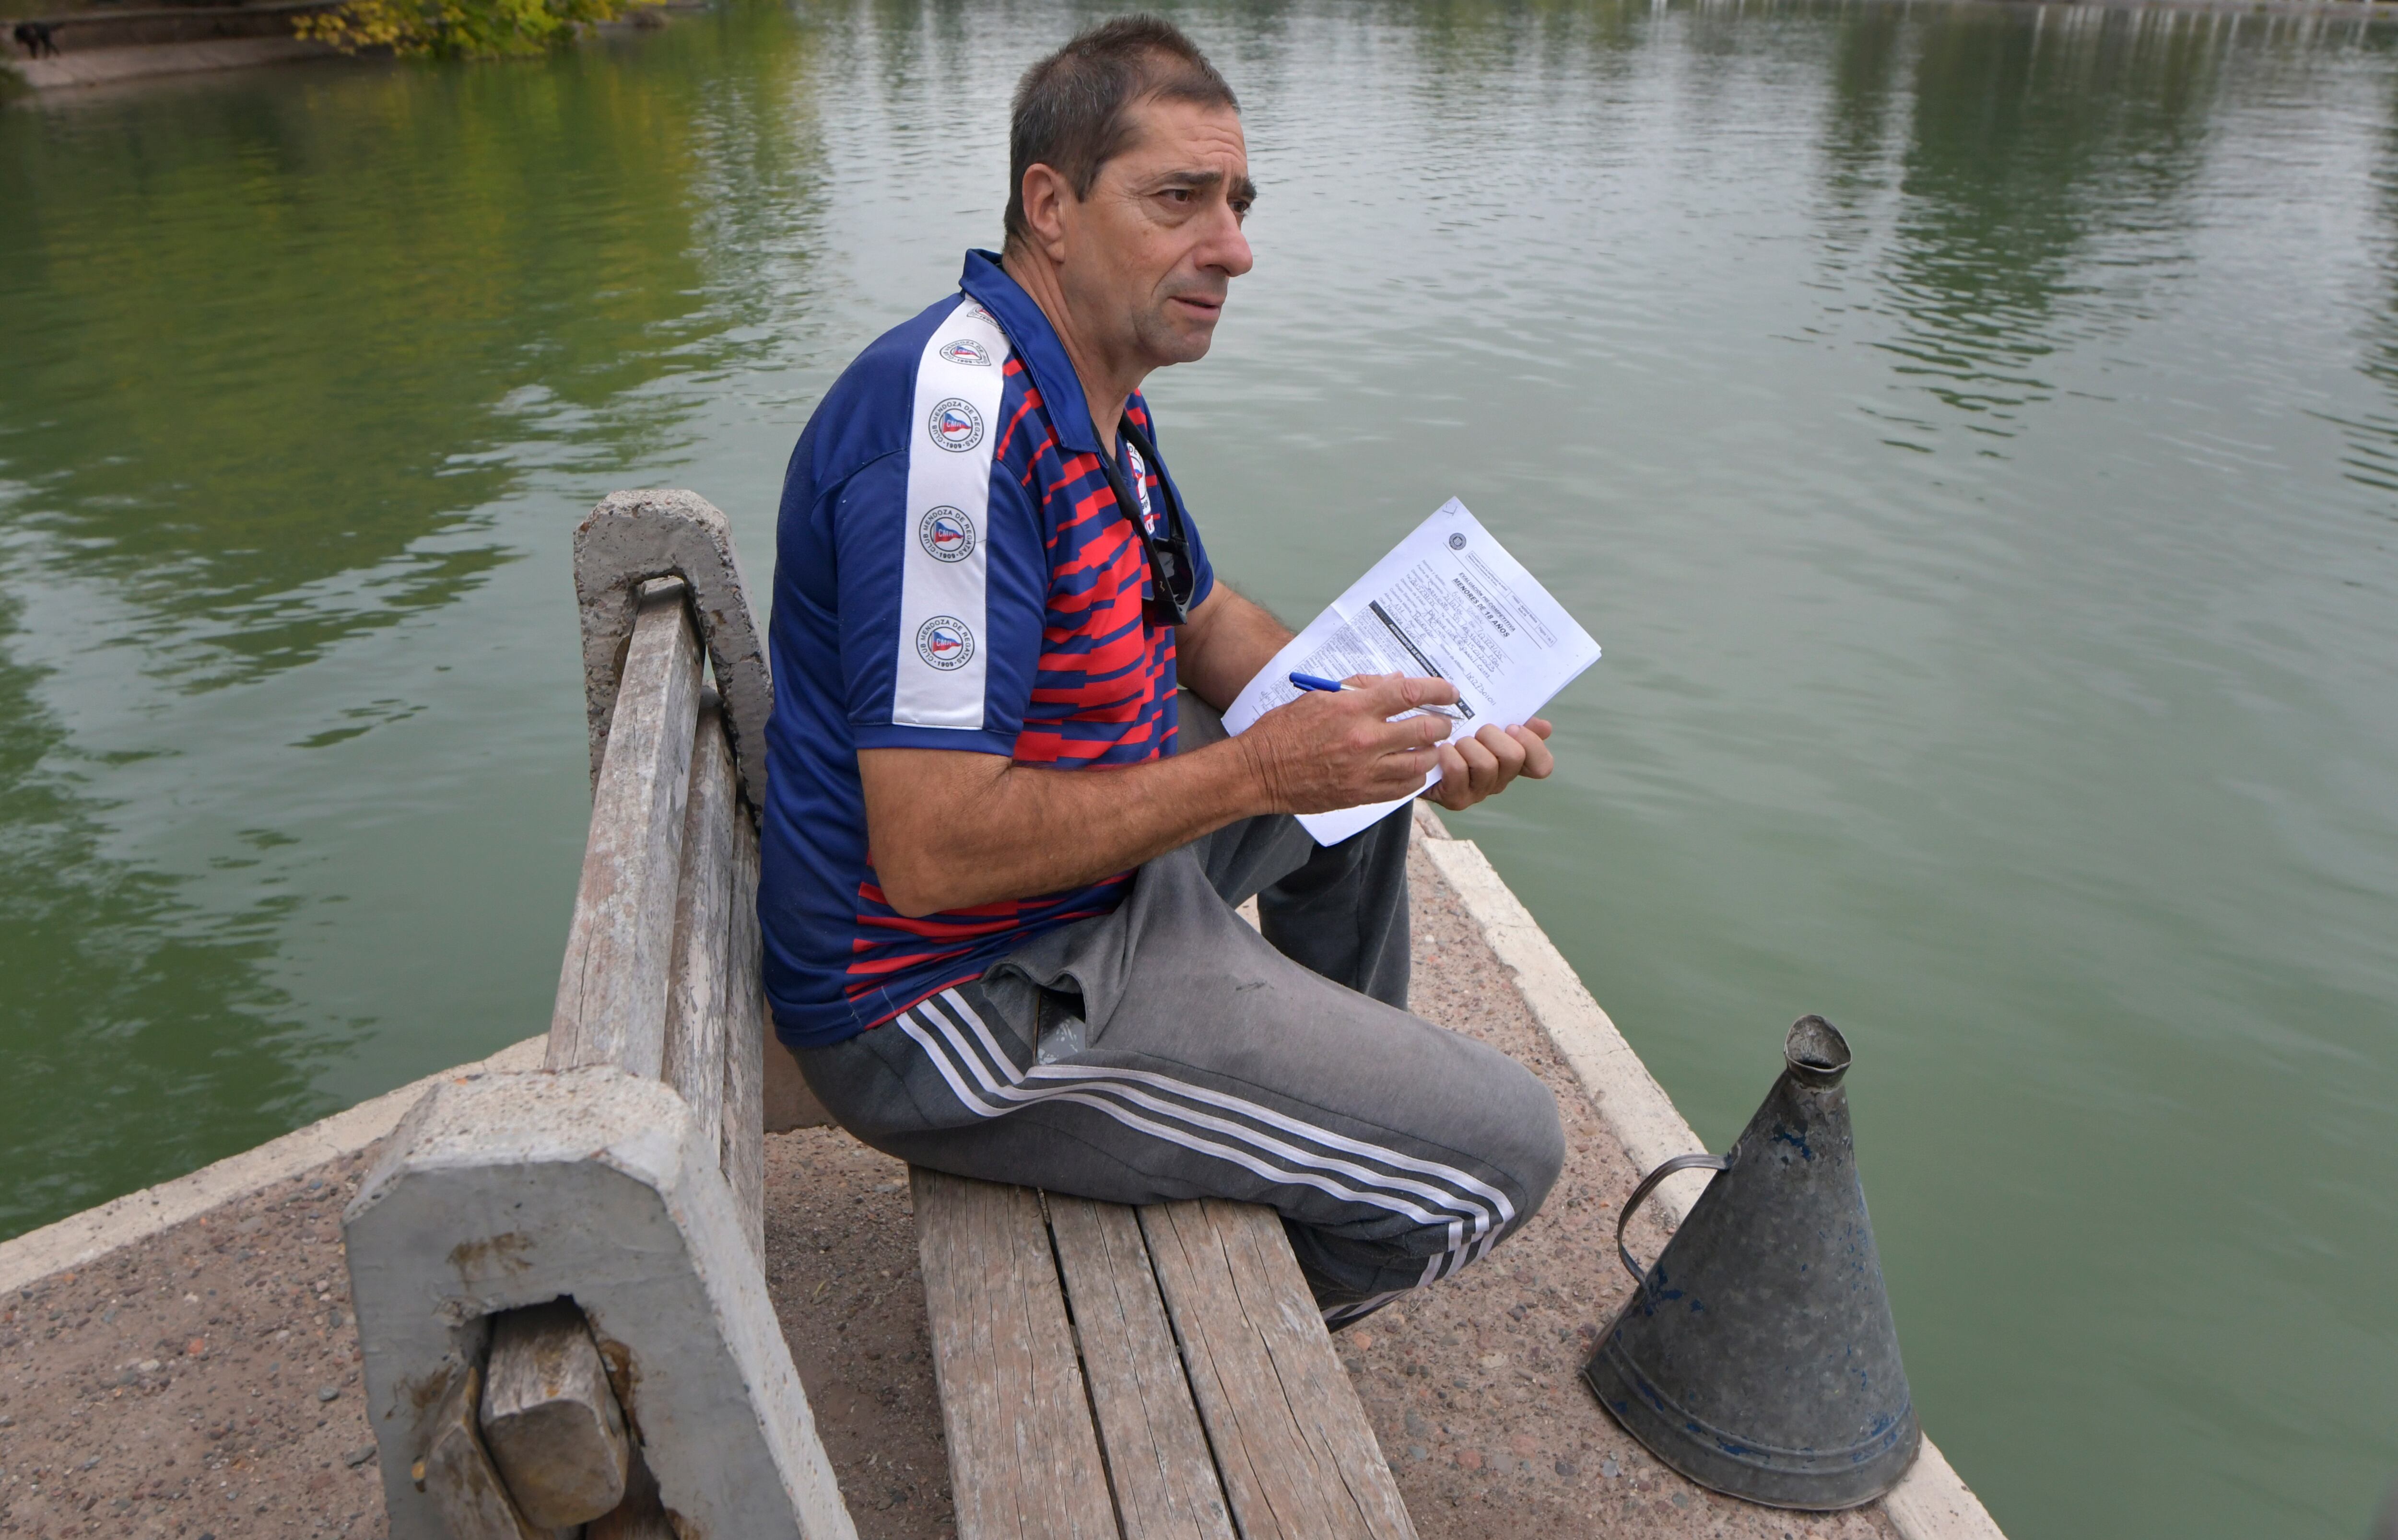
point(1212, 1064)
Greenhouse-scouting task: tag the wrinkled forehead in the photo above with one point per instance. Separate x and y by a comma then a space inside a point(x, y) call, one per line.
point(1170, 138)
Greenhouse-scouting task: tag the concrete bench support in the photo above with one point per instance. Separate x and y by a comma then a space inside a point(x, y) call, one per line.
point(557, 1275)
point(507, 1191)
point(1154, 1374)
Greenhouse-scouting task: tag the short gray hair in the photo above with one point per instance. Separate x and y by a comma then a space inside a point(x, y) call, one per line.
point(1072, 111)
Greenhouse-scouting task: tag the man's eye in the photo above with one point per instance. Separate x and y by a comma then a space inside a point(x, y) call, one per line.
point(1240, 209)
point(1180, 195)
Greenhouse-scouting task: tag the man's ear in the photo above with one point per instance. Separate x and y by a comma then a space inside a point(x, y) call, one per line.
point(1046, 193)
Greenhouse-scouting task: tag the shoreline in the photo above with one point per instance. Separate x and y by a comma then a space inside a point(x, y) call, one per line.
point(86, 68)
point(76, 69)
point(168, 1354)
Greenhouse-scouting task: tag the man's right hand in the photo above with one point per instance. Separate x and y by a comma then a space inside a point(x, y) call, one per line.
point(1331, 750)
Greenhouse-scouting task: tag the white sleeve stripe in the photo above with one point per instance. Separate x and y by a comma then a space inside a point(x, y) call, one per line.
point(941, 665)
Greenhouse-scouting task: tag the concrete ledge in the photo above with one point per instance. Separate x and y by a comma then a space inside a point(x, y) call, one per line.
point(144, 60)
point(81, 1238)
point(1932, 1502)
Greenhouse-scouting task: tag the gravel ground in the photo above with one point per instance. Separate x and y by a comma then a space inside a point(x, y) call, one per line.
point(204, 1382)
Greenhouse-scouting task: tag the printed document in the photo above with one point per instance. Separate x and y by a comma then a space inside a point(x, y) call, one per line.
point(1448, 601)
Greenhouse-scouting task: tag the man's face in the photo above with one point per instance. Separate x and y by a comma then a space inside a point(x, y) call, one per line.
point(1153, 250)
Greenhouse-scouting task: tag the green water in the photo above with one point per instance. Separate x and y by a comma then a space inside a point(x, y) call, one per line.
point(1972, 432)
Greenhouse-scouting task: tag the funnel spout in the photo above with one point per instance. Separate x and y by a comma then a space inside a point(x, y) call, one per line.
point(1815, 1052)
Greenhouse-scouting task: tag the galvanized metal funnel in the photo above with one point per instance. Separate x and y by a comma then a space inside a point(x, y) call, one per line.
point(1758, 1357)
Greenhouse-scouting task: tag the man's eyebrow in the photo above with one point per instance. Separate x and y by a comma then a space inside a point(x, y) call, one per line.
point(1198, 181)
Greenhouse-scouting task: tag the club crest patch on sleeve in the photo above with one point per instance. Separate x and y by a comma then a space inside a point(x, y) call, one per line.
point(944, 643)
point(956, 424)
point(946, 534)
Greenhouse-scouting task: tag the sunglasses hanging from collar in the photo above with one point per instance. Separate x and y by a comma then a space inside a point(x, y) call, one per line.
point(1173, 578)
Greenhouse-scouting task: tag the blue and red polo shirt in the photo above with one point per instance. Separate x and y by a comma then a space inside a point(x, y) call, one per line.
point(952, 572)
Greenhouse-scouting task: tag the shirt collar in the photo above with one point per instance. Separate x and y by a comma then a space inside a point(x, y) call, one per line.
point(1036, 343)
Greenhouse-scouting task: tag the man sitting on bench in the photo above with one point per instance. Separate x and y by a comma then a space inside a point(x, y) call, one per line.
point(998, 884)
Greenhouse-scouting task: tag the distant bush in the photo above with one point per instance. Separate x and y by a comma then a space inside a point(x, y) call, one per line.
point(457, 29)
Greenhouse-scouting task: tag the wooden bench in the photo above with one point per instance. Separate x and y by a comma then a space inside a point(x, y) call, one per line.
point(1158, 1373)
point(1151, 1374)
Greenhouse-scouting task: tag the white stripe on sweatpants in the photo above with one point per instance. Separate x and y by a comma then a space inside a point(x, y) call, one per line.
point(1457, 1189)
point(949, 1051)
point(1440, 1264)
point(1105, 1082)
point(1012, 1097)
point(1113, 1082)
point(1335, 1314)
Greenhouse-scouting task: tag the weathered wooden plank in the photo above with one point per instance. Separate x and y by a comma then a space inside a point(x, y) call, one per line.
point(1023, 1459)
point(612, 989)
point(641, 1516)
point(457, 1473)
point(745, 1036)
point(698, 978)
point(1298, 1458)
point(1158, 1465)
point(549, 1419)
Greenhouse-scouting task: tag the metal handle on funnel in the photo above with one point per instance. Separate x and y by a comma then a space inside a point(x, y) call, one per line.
point(1640, 1195)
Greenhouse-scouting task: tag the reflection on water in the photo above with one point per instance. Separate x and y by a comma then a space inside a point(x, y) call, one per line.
point(280, 351)
point(130, 1017)
point(2373, 435)
point(1972, 431)
point(2045, 178)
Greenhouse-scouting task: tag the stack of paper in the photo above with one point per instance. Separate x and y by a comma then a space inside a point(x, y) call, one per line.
point(1447, 601)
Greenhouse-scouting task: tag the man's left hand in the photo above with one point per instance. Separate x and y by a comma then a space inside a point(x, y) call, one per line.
point(1472, 769)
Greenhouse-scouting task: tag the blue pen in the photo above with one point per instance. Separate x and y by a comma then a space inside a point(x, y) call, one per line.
point(1316, 681)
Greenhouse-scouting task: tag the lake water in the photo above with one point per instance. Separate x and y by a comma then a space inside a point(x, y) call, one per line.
point(1972, 431)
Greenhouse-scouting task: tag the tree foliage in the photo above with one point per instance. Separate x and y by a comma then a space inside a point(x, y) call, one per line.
point(457, 29)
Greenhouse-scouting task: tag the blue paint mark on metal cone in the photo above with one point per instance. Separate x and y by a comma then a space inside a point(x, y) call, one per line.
point(1758, 1357)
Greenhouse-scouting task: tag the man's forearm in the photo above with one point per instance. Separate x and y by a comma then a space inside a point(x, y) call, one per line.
point(1024, 829)
point(1224, 644)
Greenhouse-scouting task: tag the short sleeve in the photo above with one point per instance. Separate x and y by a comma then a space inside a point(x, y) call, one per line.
point(942, 608)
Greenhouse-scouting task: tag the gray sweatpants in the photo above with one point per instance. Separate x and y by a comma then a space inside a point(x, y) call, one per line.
point(1168, 1050)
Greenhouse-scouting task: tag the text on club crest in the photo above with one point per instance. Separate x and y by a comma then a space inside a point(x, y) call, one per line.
point(946, 534)
point(956, 424)
point(944, 643)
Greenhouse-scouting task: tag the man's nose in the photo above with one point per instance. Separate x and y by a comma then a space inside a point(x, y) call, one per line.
point(1227, 245)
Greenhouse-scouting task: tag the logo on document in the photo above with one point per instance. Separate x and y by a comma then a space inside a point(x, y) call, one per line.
point(944, 643)
point(965, 350)
point(956, 424)
point(1457, 543)
point(946, 534)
